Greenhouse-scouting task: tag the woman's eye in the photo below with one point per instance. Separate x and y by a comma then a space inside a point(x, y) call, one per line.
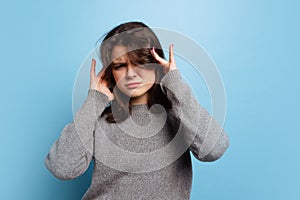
point(118, 66)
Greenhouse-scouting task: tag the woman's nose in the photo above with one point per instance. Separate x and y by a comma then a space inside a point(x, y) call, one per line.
point(130, 71)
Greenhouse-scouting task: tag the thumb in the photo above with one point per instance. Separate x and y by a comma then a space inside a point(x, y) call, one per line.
point(158, 58)
point(93, 69)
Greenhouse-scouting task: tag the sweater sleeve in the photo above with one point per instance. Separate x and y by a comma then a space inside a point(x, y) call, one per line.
point(204, 136)
point(72, 152)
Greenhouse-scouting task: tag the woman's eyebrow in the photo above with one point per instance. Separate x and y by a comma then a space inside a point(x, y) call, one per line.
point(118, 62)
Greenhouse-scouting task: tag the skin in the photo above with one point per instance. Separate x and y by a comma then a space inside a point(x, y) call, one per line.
point(127, 73)
point(124, 72)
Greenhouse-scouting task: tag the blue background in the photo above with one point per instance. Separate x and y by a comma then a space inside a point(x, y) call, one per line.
point(255, 45)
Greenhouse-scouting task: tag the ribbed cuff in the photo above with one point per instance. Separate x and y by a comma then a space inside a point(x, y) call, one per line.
point(170, 80)
point(95, 94)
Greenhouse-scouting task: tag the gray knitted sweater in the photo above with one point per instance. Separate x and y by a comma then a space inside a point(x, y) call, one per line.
point(146, 156)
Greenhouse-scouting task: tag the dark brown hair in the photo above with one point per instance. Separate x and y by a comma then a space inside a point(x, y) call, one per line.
point(139, 39)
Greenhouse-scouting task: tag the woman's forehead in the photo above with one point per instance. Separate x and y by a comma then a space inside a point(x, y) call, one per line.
point(119, 53)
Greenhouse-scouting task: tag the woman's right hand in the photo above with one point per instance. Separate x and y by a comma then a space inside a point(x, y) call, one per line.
point(98, 83)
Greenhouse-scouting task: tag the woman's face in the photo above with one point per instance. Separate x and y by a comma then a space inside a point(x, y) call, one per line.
point(134, 81)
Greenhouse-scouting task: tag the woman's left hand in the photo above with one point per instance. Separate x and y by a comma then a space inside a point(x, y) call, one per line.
point(167, 65)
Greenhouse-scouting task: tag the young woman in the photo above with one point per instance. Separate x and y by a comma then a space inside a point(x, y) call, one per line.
point(139, 123)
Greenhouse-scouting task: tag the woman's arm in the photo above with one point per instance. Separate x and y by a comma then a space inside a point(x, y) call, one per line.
point(72, 152)
point(207, 139)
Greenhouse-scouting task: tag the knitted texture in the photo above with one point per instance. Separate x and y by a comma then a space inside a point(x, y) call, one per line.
point(146, 156)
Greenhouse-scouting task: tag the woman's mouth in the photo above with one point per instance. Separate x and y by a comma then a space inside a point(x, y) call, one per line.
point(133, 85)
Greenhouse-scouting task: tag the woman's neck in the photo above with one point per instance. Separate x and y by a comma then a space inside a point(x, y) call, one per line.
point(139, 100)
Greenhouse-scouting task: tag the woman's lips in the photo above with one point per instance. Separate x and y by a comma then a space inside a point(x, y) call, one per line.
point(133, 85)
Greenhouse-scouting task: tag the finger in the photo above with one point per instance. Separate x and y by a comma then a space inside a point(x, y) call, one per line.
point(171, 54)
point(158, 58)
point(101, 73)
point(93, 68)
